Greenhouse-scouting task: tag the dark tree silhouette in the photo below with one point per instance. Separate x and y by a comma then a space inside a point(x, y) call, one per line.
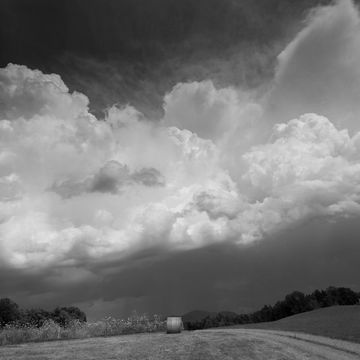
point(9, 311)
point(63, 315)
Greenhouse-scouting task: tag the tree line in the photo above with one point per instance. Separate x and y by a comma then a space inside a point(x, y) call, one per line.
point(294, 303)
point(11, 313)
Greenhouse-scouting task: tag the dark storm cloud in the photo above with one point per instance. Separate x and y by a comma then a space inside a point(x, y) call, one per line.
point(221, 277)
point(135, 29)
point(225, 277)
point(133, 51)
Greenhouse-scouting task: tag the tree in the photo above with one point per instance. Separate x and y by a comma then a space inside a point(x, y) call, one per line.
point(341, 296)
point(320, 297)
point(9, 311)
point(63, 315)
point(296, 302)
point(36, 317)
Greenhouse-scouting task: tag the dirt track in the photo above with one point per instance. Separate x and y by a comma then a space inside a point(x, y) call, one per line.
point(224, 344)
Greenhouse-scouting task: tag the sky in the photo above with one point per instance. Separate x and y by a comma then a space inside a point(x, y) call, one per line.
point(167, 156)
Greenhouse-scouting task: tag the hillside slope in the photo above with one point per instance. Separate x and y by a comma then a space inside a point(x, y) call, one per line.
point(341, 322)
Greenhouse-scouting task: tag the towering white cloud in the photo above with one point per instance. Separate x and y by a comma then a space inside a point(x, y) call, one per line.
point(25, 93)
point(201, 108)
point(220, 165)
point(73, 187)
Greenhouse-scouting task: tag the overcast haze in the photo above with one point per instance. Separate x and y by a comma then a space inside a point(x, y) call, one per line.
point(167, 156)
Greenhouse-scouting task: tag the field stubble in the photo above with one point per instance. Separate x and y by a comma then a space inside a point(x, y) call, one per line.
point(224, 344)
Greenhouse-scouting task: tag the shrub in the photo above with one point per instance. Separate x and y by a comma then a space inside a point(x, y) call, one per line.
point(18, 332)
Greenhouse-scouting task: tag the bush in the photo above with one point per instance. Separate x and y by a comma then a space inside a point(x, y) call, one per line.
point(17, 332)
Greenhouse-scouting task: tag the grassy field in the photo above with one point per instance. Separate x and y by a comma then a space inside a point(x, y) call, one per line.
point(339, 322)
point(223, 344)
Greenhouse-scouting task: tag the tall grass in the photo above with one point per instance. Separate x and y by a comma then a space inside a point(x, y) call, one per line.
point(50, 330)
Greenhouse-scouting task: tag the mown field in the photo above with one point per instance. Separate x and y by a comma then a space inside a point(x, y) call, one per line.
point(224, 344)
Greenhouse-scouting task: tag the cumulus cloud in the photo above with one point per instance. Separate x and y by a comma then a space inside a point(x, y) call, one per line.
point(73, 187)
point(221, 166)
point(201, 108)
point(25, 93)
point(308, 169)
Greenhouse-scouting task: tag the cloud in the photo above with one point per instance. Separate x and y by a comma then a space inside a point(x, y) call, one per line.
point(75, 188)
point(309, 169)
point(148, 177)
point(221, 166)
point(201, 108)
point(111, 178)
point(318, 71)
point(25, 92)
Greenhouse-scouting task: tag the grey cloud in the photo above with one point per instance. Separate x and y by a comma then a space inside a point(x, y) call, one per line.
point(67, 189)
point(148, 177)
point(217, 205)
point(111, 178)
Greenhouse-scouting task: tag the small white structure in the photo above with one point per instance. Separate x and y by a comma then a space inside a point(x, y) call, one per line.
point(174, 325)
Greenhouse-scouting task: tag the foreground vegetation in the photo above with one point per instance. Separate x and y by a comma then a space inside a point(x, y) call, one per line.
point(33, 325)
point(15, 333)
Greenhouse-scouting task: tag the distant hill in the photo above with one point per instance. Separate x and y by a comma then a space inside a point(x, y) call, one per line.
point(197, 315)
point(341, 322)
